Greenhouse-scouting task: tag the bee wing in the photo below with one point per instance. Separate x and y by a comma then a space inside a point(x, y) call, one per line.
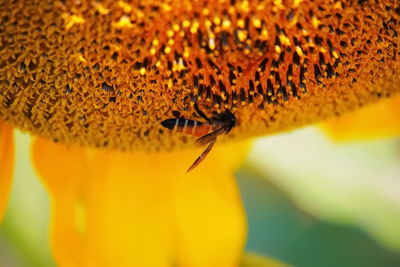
point(205, 139)
point(203, 155)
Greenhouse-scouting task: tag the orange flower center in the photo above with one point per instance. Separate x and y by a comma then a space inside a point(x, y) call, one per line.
point(106, 74)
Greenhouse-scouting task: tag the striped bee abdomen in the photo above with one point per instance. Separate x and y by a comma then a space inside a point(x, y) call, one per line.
point(186, 126)
point(170, 123)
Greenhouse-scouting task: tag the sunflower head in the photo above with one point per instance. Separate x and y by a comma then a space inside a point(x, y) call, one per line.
point(106, 74)
point(110, 74)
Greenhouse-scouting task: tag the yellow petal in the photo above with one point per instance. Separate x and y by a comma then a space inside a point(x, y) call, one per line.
point(117, 209)
point(6, 164)
point(208, 212)
point(379, 120)
point(256, 260)
point(63, 167)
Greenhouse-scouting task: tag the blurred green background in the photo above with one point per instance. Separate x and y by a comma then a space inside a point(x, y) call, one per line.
point(310, 202)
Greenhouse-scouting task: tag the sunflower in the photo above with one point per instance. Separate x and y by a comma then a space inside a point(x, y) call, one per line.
point(93, 80)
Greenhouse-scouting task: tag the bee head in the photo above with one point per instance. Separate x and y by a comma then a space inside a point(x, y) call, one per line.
point(227, 119)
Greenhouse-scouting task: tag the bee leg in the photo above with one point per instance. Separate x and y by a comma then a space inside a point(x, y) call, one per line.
point(202, 156)
point(196, 107)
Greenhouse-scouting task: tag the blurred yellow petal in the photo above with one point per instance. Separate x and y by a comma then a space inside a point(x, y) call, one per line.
point(256, 260)
point(65, 172)
point(379, 120)
point(117, 209)
point(209, 218)
point(6, 164)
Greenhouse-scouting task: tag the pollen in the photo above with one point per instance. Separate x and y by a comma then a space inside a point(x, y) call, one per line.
point(226, 24)
point(170, 33)
point(296, 3)
point(125, 6)
point(338, 5)
point(284, 40)
point(107, 73)
point(176, 27)
point(167, 50)
point(102, 10)
point(71, 20)
point(257, 23)
point(186, 24)
point(217, 21)
point(124, 21)
point(166, 7)
point(240, 23)
point(315, 22)
point(245, 6)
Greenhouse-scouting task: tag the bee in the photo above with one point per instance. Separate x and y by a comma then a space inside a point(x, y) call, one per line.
point(207, 131)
